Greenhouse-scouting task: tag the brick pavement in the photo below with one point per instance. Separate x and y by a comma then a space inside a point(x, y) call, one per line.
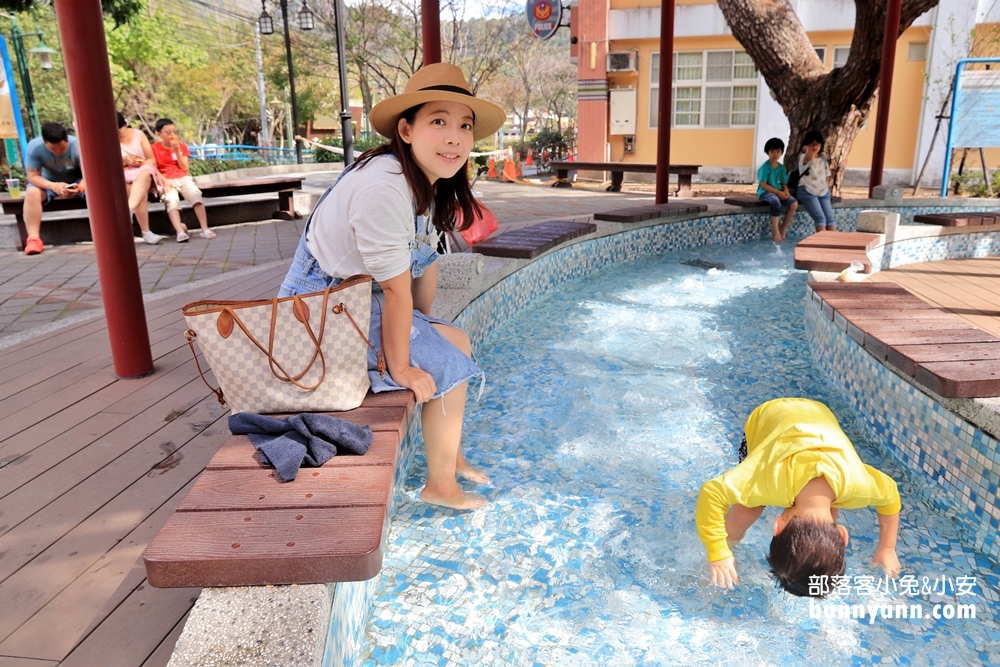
point(62, 283)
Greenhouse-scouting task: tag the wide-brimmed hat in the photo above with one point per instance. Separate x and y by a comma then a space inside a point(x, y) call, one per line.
point(435, 83)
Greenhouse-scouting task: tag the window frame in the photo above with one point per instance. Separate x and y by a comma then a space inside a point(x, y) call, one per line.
point(703, 85)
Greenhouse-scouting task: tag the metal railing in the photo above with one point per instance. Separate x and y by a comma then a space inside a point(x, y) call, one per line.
point(247, 153)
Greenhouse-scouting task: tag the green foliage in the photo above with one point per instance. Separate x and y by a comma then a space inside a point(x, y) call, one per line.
point(359, 146)
point(548, 139)
point(973, 184)
point(8, 171)
point(119, 11)
point(200, 167)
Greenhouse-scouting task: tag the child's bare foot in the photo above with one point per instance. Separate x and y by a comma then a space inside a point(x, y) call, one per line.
point(473, 475)
point(462, 501)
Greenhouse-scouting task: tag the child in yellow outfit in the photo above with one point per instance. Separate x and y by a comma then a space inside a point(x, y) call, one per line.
point(795, 456)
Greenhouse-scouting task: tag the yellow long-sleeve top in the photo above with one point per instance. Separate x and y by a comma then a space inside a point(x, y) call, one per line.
point(789, 442)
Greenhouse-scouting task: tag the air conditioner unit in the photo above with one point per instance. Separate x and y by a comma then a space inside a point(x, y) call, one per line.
point(623, 61)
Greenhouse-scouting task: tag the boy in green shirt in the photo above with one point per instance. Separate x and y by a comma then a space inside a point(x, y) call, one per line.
point(794, 455)
point(772, 187)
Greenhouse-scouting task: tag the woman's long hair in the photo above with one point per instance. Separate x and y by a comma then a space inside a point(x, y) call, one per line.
point(449, 196)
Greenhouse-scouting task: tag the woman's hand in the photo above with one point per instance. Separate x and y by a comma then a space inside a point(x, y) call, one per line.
point(419, 382)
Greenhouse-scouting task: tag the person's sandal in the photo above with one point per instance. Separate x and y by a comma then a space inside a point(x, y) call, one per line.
point(33, 246)
point(182, 237)
point(207, 234)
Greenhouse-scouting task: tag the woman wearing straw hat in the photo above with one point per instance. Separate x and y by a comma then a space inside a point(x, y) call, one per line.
point(380, 219)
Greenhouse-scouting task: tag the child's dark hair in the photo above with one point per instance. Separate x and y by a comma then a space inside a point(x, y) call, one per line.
point(774, 144)
point(448, 195)
point(814, 136)
point(121, 120)
point(805, 549)
point(54, 133)
point(162, 123)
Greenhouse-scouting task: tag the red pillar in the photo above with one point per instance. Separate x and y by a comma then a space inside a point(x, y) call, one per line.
point(430, 29)
point(666, 101)
point(884, 93)
point(85, 52)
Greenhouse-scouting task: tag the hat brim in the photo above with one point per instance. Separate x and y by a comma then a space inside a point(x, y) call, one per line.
point(384, 116)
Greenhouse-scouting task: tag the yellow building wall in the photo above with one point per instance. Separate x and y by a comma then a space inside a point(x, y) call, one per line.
point(735, 147)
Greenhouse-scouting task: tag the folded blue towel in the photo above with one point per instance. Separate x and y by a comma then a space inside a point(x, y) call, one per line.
point(311, 439)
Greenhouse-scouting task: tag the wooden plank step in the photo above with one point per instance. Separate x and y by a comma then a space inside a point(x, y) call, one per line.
point(529, 242)
point(641, 213)
point(238, 452)
point(959, 219)
point(829, 259)
point(846, 240)
point(906, 357)
point(879, 343)
point(313, 546)
point(258, 489)
point(745, 202)
point(961, 379)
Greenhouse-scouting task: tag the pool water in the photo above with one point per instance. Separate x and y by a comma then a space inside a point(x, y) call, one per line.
point(608, 402)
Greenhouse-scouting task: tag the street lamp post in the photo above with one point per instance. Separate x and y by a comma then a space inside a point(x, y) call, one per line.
point(267, 28)
point(45, 59)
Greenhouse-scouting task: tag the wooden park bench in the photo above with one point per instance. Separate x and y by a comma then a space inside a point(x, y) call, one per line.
point(284, 186)
point(529, 242)
point(641, 213)
point(969, 219)
point(684, 173)
point(949, 356)
point(239, 526)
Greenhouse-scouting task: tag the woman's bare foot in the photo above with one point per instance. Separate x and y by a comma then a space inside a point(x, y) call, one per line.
point(473, 474)
point(462, 501)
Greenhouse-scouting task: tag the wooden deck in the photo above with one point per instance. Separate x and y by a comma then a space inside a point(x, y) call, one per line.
point(91, 467)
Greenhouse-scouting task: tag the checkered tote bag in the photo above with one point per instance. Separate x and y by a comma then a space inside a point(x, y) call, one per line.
point(304, 353)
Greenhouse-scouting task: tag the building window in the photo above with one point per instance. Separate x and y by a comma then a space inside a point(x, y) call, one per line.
point(840, 54)
point(916, 51)
point(711, 89)
point(821, 54)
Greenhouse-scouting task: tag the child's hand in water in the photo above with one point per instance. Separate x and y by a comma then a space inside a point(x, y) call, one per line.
point(886, 557)
point(724, 573)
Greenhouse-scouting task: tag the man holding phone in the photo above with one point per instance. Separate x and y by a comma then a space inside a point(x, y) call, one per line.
point(53, 162)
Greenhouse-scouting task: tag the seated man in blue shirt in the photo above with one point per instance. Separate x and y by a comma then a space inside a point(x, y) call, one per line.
point(53, 162)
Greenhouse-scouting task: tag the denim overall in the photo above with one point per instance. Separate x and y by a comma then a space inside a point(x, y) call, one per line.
point(429, 350)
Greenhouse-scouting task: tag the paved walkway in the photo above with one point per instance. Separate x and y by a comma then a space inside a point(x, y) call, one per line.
point(61, 283)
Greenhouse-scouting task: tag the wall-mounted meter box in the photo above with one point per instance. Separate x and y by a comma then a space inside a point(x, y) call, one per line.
point(622, 110)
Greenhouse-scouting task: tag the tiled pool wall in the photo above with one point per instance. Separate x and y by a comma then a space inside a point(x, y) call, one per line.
point(937, 451)
point(352, 601)
point(960, 460)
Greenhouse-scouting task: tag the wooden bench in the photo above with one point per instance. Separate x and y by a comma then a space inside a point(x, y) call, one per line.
point(284, 186)
point(969, 219)
point(238, 526)
point(529, 242)
point(684, 173)
point(834, 251)
point(938, 350)
point(755, 202)
point(641, 213)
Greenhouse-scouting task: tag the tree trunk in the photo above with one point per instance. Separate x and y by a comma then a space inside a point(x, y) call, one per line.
point(835, 103)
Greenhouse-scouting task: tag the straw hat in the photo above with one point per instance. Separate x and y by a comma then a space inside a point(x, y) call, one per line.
point(435, 83)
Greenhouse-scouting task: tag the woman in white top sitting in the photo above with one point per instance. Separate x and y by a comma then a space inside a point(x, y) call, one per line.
point(140, 175)
point(374, 220)
point(815, 181)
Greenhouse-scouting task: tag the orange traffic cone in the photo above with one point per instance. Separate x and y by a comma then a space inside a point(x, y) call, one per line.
point(529, 161)
point(509, 171)
point(493, 168)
